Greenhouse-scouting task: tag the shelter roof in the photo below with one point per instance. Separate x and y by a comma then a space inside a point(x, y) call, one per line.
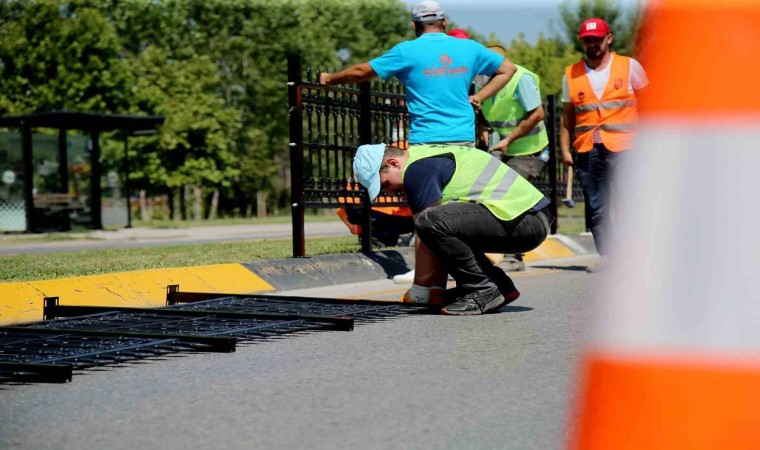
point(76, 120)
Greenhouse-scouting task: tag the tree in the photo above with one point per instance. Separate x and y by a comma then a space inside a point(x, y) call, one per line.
point(249, 40)
point(194, 146)
point(215, 68)
point(623, 24)
point(547, 58)
point(54, 58)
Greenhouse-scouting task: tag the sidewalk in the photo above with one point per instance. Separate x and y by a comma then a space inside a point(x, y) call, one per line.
point(149, 237)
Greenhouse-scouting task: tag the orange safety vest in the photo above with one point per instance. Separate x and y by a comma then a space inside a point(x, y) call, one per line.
point(615, 115)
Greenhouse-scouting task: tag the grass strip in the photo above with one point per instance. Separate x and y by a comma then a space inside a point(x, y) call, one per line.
point(49, 266)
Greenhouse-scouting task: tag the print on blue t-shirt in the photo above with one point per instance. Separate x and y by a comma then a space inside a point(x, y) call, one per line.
point(437, 70)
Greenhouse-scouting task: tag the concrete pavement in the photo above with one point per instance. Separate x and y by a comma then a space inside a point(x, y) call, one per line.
point(150, 237)
point(500, 381)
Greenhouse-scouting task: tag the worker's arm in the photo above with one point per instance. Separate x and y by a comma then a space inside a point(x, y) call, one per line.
point(500, 79)
point(566, 127)
point(528, 123)
point(354, 74)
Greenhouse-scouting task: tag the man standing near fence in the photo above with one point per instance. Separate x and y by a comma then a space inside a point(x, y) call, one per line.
point(600, 109)
point(436, 71)
point(516, 116)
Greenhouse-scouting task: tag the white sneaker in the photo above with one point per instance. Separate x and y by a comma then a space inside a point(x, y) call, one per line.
point(404, 277)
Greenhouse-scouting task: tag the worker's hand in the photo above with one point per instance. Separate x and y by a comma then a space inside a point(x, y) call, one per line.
point(567, 158)
point(475, 101)
point(502, 146)
point(324, 78)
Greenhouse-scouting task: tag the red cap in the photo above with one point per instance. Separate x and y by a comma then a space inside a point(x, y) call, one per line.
point(459, 33)
point(593, 27)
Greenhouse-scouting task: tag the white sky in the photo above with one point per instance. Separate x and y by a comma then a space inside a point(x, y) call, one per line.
point(508, 18)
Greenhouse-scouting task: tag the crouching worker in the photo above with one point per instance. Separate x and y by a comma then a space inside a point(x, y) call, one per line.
point(465, 203)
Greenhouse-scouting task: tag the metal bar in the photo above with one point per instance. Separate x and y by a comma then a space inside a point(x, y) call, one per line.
point(552, 133)
point(63, 174)
point(46, 373)
point(127, 185)
point(28, 158)
point(172, 292)
point(95, 191)
point(57, 311)
point(213, 344)
point(295, 118)
point(191, 297)
point(365, 137)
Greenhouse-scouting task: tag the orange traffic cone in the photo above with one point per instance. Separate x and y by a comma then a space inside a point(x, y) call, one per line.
point(673, 360)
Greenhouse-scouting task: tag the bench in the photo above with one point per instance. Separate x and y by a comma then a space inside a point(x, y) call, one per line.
point(52, 211)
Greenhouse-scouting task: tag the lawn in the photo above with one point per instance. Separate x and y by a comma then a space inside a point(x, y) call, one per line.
point(27, 267)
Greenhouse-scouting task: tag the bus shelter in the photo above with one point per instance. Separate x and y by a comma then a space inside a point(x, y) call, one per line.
point(48, 181)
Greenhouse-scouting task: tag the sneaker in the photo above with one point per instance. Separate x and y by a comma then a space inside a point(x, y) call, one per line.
point(513, 263)
point(404, 277)
point(477, 302)
point(505, 284)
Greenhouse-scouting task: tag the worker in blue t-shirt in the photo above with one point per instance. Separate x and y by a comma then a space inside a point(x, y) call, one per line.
point(436, 71)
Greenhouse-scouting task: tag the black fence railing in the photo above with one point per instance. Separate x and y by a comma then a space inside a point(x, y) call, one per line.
point(328, 123)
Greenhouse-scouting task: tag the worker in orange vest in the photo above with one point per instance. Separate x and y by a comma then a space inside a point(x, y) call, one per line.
point(600, 110)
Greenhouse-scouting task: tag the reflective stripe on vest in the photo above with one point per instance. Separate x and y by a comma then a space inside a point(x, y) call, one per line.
point(606, 105)
point(608, 127)
point(505, 113)
point(614, 117)
point(481, 178)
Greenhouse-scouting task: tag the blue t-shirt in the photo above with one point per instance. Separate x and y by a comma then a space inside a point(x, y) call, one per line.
point(527, 94)
point(437, 70)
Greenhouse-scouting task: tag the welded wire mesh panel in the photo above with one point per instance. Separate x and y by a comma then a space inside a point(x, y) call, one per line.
point(164, 322)
point(79, 350)
point(360, 311)
point(83, 339)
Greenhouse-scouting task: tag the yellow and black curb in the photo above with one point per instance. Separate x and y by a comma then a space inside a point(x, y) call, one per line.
point(22, 301)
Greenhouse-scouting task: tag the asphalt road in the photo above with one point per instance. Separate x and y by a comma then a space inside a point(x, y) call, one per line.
point(500, 381)
point(153, 237)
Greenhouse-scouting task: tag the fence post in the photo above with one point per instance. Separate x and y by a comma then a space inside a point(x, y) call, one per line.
point(26, 152)
point(96, 202)
point(552, 132)
point(365, 137)
point(295, 121)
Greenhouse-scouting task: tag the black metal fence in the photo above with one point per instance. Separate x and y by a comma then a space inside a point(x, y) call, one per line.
point(328, 123)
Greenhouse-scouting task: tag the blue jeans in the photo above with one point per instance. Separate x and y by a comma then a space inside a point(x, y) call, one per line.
point(598, 171)
point(461, 233)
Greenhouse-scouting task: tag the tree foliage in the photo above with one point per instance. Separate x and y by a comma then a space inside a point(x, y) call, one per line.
point(54, 58)
point(217, 70)
point(547, 58)
point(623, 23)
